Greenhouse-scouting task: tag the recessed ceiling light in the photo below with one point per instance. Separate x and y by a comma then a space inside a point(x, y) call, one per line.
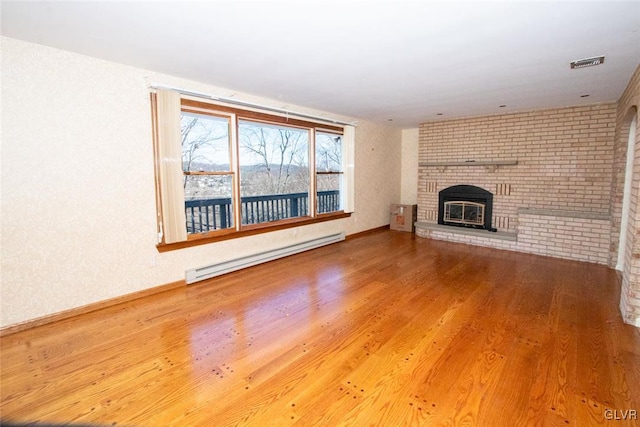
point(587, 62)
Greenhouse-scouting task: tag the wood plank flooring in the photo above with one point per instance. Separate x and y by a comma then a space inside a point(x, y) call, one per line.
point(385, 329)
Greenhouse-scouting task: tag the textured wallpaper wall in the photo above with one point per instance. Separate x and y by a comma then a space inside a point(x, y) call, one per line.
point(78, 206)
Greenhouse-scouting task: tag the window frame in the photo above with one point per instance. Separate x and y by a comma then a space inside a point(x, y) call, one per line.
point(235, 115)
point(340, 173)
point(232, 156)
point(310, 134)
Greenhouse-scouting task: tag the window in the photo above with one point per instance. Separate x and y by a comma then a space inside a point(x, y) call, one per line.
point(207, 174)
point(329, 175)
point(225, 172)
point(274, 172)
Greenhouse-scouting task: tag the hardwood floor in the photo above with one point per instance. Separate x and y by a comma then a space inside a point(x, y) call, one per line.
point(385, 329)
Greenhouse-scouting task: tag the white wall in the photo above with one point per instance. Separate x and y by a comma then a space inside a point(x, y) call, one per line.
point(409, 179)
point(77, 184)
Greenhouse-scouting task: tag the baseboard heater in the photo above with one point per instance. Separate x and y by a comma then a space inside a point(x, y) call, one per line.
point(209, 271)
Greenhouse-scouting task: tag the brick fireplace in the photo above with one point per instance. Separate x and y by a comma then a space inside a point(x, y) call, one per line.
point(549, 173)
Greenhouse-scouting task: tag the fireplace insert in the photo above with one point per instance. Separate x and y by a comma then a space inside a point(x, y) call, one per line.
point(466, 206)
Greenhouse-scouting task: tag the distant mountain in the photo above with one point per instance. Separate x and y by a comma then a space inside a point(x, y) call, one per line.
point(208, 167)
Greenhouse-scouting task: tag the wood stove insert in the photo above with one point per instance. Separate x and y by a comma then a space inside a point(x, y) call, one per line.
point(466, 206)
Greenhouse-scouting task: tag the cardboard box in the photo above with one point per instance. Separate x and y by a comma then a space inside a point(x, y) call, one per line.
point(403, 217)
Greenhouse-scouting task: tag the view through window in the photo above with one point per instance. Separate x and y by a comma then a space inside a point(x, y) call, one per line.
point(206, 165)
point(274, 172)
point(249, 169)
point(329, 175)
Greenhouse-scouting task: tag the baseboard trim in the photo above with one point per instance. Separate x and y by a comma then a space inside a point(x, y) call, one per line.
point(56, 317)
point(366, 232)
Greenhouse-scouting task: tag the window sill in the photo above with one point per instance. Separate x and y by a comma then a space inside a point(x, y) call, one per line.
point(250, 231)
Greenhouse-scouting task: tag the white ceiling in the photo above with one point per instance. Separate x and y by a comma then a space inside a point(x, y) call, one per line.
point(373, 60)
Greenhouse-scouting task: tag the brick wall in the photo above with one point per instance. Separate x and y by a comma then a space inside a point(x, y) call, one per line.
point(564, 235)
point(630, 292)
point(564, 163)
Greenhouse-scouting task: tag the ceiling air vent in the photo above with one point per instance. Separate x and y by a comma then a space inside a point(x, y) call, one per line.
point(588, 62)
